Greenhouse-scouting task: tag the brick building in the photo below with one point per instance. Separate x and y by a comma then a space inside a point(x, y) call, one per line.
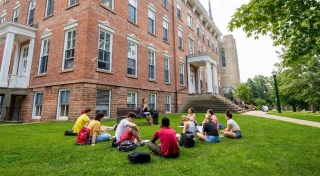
point(62, 56)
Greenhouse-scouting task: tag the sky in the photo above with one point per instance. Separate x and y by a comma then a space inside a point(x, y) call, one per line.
point(255, 57)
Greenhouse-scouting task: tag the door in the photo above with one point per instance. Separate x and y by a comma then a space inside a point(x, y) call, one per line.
point(16, 108)
point(21, 75)
point(192, 83)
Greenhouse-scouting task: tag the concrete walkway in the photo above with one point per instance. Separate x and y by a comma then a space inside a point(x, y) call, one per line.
point(298, 121)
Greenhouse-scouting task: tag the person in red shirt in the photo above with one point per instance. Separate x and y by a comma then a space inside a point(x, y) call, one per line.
point(169, 147)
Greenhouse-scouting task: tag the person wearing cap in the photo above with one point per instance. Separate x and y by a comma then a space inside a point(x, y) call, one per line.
point(82, 121)
point(82, 111)
point(169, 147)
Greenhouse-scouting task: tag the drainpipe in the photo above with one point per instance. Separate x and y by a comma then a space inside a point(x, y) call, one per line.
point(175, 53)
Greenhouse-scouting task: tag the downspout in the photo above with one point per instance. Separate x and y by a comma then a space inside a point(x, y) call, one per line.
point(175, 54)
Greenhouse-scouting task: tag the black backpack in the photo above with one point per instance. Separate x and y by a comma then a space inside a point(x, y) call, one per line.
point(187, 140)
point(139, 157)
point(126, 146)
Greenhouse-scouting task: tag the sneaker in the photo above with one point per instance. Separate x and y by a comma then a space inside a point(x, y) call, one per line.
point(146, 141)
point(142, 143)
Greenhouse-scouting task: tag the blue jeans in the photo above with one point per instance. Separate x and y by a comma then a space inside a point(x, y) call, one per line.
point(212, 139)
point(238, 134)
point(103, 137)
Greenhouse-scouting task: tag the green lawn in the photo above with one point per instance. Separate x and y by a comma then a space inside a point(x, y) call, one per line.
point(268, 147)
point(298, 115)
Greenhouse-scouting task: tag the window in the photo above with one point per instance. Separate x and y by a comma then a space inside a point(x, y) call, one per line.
point(168, 103)
point(132, 99)
point(132, 15)
point(181, 73)
point(151, 23)
point(104, 58)
point(223, 59)
point(179, 10)
point(208, 41)
point(3, 19)
point(212, 45)
point(69, 49)
point(103, 102)
point(49, 9)
point(166, 70)
point(180, 39)
point(153, 101)
point(37, 106)
point(15, 15)
point(199, 48)
point(198, 29)
point(71, 2)
point(132, 58)
point(44, 55)
point(165, 3)
point(191, 46)
point(152, 65)
point(203, 36)
point(165, 31)
point(64, 99)
point(189, 21)
point(107, 3)
point(32, 6)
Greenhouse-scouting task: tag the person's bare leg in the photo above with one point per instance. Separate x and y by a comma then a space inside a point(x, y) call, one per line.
point(201, 136)
point(136, 134)
point(229, 134)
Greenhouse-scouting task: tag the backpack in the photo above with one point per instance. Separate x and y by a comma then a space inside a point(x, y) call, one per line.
point(187, 140)
point(126, 146)
point(69, 133)
point(139, 157)
point(221, 126)
point(83, 136)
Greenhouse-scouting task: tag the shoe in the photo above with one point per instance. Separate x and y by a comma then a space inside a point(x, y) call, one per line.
point(114, 127)
point(142, 143)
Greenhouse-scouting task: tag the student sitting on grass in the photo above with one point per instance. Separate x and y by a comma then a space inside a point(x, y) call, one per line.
point(127, 130)
point(213, 118)
point(192, 116)
point(168, 144)
point(98, 133)
point(209, 131)
point(233, 129)
point(188, 126)
point(82, 121)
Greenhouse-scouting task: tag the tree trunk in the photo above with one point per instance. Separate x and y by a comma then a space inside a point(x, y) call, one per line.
point(312, 108)
point(294, 108)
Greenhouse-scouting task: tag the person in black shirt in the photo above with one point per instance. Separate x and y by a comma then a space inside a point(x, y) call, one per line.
point(145, 111)
point(209, 132)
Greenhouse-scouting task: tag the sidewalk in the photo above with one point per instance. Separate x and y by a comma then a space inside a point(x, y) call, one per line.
point(287, 119)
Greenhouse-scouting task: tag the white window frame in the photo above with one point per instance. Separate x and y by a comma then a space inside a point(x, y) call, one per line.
point(3, 19)
point(66, 45)
point(168, 97)
point(32, 6)
point(106, 104)
point(72, 2)
point(189, 21)
point(104, 48)
point(110, 2)
point(152, 62)
point(165, 3)
point(44, 52)
point(191, 47)
point(135, 45)
point(199, 47)
point(153, 100)
point(166, 68)
point(198, 29)
point(34, 111)
point(47, 8)
point(179, 7)
point(58, 108)
point(208, 40)
point(152, 16)
point(16, 14)
point(203, 36)
point(181, 68)
point(166, 26)
point(135, 5)
point(135, 94)
point(180, 34)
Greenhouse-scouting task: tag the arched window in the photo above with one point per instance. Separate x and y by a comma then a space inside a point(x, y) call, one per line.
point(223, 58)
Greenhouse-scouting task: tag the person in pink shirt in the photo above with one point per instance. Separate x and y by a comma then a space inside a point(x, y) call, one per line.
point(213, 118)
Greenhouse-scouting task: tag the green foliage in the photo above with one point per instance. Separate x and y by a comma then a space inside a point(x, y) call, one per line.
point(293, 24)
point(258, 102)
point(243, 92)
point(230, 95)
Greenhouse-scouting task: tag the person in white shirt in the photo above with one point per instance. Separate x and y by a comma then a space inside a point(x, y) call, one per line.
point(233, 130)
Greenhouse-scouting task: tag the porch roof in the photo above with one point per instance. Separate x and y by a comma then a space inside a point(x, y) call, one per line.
point(201, 59)
point(22, 32)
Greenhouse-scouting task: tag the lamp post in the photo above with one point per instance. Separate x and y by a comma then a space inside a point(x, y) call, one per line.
point(274, 73)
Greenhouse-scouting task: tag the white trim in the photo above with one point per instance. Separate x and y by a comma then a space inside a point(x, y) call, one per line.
point(165, 57)
point(70, 24)
point(165, 18)
point(46, 33)
point(152, 47)
point(155, 64)
point(178, 1)
point(106, 26)
point(110, 46)
point(180, 28)
point(166, 54)
point(168, 95)
point(189, 13)
point(34, 106)
point(4, 13)
point(29, 8)
point(41, 53)
point(136, 97)
point(155, 100)
point(58, 107)
point(152, 7)
point(190, 36)
point(65, 46)
point(133, 38)
point(181, 60)
point(109, 102)
point(16, 5)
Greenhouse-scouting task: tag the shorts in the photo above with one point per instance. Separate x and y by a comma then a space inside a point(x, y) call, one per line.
point(238, 134)
point(143, 114)
point(212, 139)
point(127, 135)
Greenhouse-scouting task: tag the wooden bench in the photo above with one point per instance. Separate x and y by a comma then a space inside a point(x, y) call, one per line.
point(123, 112)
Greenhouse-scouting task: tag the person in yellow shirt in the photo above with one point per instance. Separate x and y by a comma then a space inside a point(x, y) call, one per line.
point(98, 133)
point(82, 121)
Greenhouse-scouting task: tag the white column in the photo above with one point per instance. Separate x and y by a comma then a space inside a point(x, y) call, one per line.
point(199, 86)
point(209, 76)
point(215, 78)
point(189, 75)
point(16, 59)
point(29, 62)
point(6, 60)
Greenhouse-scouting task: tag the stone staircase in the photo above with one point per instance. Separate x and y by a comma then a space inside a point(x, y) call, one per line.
point(203, 102)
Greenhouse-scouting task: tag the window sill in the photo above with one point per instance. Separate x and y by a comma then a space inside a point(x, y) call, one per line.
point(165, 8)
point(107, 8)
point(181, 85)
point(132, 76)
point(166, 42)
point(152, 80)
point(41, 75)
point(180, 19)
point(133, 23)
point(190, 28)
point(70, 7)
point(104, 71)
point(66, 71)
point(167, 83)
point(152, 34)
point(181, 49)
point(5, 2)
point(47, 17)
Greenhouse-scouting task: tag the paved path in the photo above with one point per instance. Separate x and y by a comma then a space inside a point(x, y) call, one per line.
point(298, 121)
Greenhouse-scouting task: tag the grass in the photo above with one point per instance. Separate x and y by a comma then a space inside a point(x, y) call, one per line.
point(268, 147)
point(298, 115)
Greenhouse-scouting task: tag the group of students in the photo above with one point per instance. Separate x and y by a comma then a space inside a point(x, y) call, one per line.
point(168, 148)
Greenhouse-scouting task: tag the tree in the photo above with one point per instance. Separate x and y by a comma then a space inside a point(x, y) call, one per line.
point(243, 92)
point(294, 24)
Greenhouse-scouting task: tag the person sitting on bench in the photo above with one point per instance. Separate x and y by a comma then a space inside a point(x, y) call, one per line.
point(145, 111)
